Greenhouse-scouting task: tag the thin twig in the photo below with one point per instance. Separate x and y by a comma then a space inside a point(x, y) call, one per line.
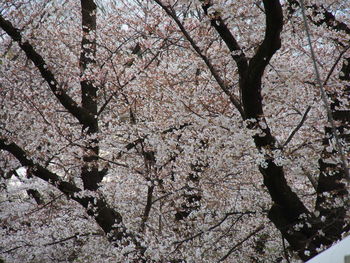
point(126, 83)
point(258, 229)
point(44, 205)
point(71, 237)
point(324, 97)
point(335, 64)
point(235, 101)
point(241, 214)
point(303, 119)
point(51, 243)
point(110, 161)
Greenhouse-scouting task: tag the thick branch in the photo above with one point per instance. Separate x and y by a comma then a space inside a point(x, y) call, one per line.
point(251, 92)
point(68, 103)
point(220, 26)
point(107, 218)
point(287, 209)
point(87, 56)
point(37, 170)
point(90, 170)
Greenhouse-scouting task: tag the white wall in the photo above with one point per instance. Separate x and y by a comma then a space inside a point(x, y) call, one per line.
point(334, 254)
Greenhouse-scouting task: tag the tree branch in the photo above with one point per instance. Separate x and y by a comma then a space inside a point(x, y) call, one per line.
point(296, 129)
point(67, 102)
point(251, 90)
point(51, 243)
point(327, 17)
point(220, 26)
point(147, 207)
point(258, 229)
point(90, 169)
point(107, 218)
point(235, 101)
point(287, 207)
point(87, 59)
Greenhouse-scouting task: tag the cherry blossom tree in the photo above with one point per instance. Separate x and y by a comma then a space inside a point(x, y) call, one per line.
point(172, 131)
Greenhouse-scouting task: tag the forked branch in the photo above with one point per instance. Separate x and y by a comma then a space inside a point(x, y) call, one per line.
point(67, 102)
point(235, 101)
